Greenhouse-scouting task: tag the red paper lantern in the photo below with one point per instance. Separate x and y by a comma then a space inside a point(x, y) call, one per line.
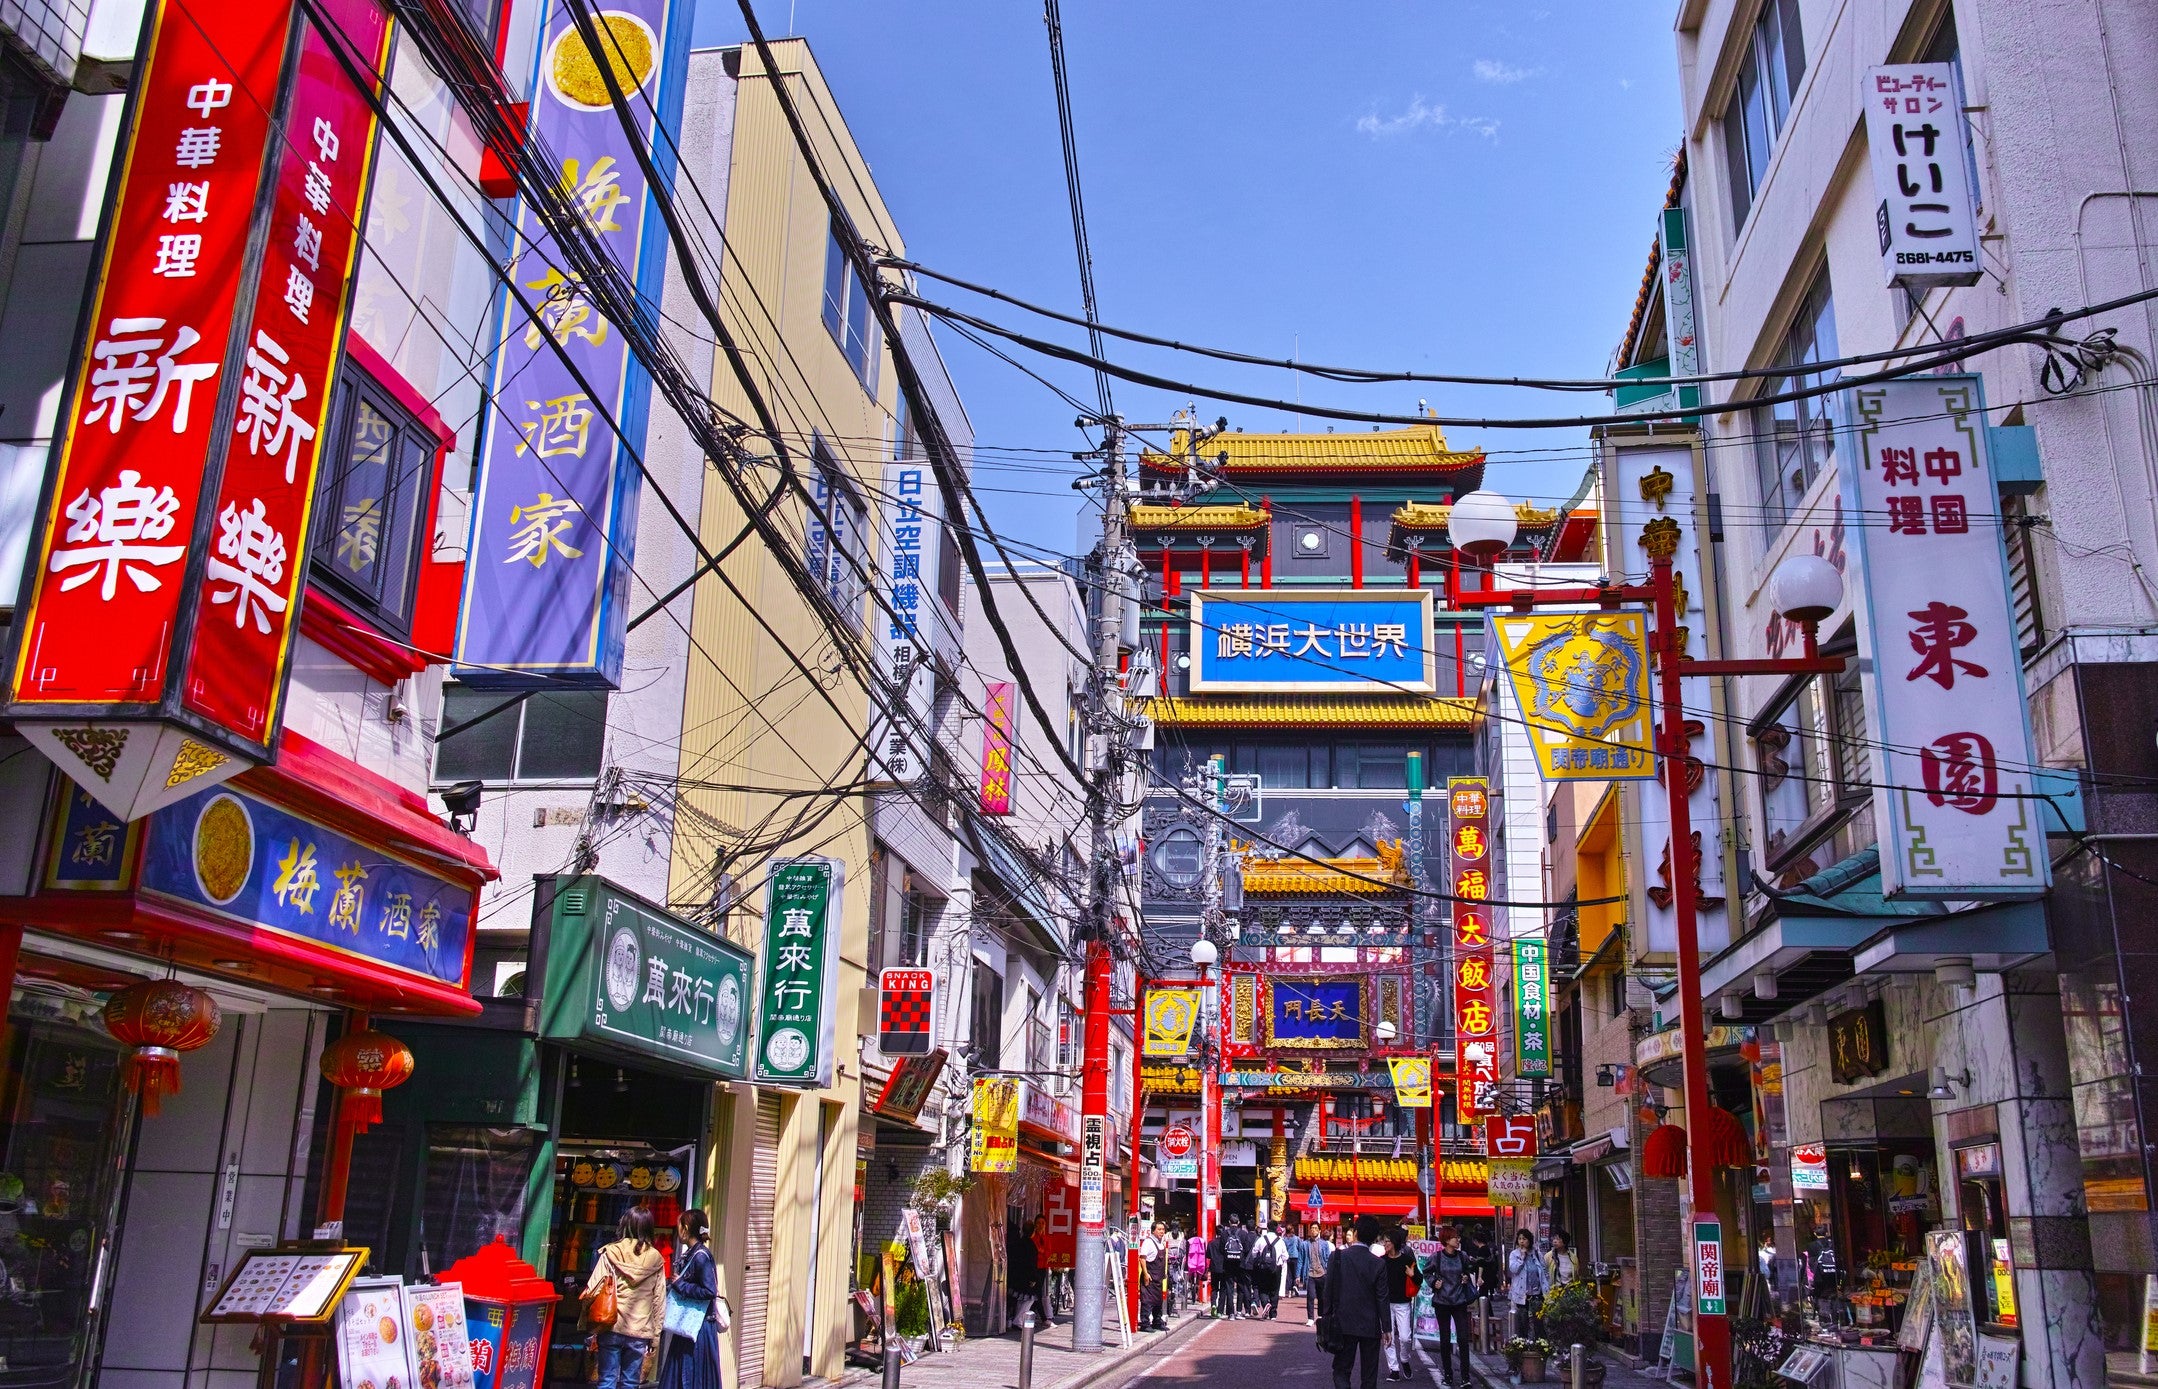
point(159, 1019)
point(363, 1065)
point(1663, 1154)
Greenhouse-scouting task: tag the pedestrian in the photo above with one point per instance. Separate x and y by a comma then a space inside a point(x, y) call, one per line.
point(1525, 1283)
point(1561, 1264)
point(1173, 1260)
point(1478, 1246)
point(1196, 1266)
point(1318, 1252)
point(1355, 1306)
point(1456, 1283)
point(1023, 1268)
point(1235, 1249)
point(1292, 1260)
point(1153, 1270)
point(1401, 1285)
point(632, 1263)
point(1217, 1268)
point(692, 1362)
point(1262, 1270)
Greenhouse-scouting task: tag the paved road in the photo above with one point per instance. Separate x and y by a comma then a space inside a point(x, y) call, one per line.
point(1240, 1355)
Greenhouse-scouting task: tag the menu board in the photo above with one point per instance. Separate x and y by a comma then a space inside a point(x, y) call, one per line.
point(374, 1336)
point(441, 1355)
point(286, 1285)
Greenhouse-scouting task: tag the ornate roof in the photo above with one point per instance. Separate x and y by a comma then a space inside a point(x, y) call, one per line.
point(1230, 519)
point(1358, 877)
point(1309, 457)
point(1429, 518)
point(1314, 711)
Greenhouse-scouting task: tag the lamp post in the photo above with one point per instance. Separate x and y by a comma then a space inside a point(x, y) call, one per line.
point(1804, 589)
point(1204, 956)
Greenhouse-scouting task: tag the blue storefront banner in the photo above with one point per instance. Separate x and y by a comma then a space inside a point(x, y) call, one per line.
point(236, 856)
point(1316, 1011)
point(554, 518)
point(1336, 640)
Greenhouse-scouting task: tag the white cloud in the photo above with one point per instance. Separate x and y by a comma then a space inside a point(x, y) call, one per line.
point(1504, 74)
point(1422, 115)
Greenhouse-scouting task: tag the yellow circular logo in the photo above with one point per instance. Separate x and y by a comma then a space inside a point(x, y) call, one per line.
point(224, 848)
point(572, 71)
point(1170, 1014)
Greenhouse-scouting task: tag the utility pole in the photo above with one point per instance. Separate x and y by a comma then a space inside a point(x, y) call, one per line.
point(1105, 762)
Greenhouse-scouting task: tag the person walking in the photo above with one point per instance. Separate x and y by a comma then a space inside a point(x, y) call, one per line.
point(1292, 1260)
point(1023, 1268)
point(1235, 1249)
point(1217, 1268)
point(1355, 1306)
point(1196, 1267)
point(1262, 1267)
point(1401, 1285)
point(1478, 1247)
point(1153, 1273)
point(692, 1362)
point(1318, 1251)
point(1525, 1283)
point(1456, 1283)
point(639, 1274)
point(1561, 1264)
point(1172, 1259)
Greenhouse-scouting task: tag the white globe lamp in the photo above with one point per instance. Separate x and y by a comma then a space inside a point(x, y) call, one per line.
point(1481, 524)
point(1204, 953)
point(1805, 589)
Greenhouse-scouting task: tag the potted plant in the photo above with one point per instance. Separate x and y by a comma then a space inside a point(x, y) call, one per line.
point(1572, 1318)
point(1527, 1357)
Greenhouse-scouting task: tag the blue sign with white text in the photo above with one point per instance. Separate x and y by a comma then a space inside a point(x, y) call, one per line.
point(1318, 1010)
point(239, 857)
point(1332, 640)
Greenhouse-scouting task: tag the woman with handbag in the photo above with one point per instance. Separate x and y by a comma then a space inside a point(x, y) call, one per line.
point(696, 1313)
point(622, 1301)
point(1525, 1283)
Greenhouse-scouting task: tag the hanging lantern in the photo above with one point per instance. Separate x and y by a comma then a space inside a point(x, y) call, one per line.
point(1727, 1142)
point(1663, 1154)
point(363, 1065)
point(159, 1019)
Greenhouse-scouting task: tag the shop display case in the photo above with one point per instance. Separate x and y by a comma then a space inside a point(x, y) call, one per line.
point(596, 1183)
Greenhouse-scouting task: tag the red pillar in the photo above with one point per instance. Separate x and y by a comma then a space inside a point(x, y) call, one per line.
point(1416, 578)
point(1356, 542)
point(1206, 566)
point(1247, 568)
point(337, 1162)
point(1266, 565)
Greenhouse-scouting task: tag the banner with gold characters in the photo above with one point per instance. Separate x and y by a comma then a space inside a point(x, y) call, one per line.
point(1581, 682)
point(1512, 1182)
point(1171, 1014)
point(996, 1124)
point(1412, 1081)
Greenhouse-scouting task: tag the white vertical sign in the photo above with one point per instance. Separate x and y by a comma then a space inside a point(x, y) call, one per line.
point(908, 551)
point(1951, 741)
point(1926, 219)
point(1643, 486)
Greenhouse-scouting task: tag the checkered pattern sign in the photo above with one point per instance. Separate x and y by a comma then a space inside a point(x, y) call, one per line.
point(906, 1012)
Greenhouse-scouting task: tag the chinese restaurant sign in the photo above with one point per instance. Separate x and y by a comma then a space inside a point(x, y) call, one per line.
point(625, 975)
point(1581, 681)
point(1858, 1043)
point(908, 1086)
point(1316, 1012)
point(795, 1002)
point(996, 1125)
point(996, 790)
point(1280, 641)
point(1927, 219)
point(1945, 694)
point(909, 550)
point(1476, 1020)
point(175, 521)
point(244, 859)
point(554, 517)
point(1532, 1007)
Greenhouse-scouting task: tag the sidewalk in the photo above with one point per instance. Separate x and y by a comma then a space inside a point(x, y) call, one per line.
point(1491, 1369)
point(992, 1362)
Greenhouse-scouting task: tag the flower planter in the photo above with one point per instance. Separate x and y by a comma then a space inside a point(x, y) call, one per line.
point(1532, 1369)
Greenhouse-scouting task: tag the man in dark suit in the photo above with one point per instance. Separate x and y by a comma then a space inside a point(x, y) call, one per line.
point(1355, 1303)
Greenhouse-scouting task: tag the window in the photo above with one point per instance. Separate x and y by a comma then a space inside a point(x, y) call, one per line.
point(847, 317)
point(986, 1024)
point(371, 501)
point(497, 736)
point(1768, 74)
point(1371, 767)
point(914, 914)
point(1793, 441)
point(1816, 766)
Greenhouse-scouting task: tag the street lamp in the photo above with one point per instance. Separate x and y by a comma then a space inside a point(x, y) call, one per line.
point(1805, 589)
point(1385, 1032)
point(1204, 954)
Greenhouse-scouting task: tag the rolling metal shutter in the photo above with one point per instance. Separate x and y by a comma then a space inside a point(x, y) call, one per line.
point(757, 1255)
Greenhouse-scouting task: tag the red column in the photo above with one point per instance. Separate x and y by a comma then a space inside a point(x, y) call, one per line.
point(1266, 566)
point(337, 1162)
point(1416, 578)
point(1247, 568)
point(1356, 542)
point(1206, 566)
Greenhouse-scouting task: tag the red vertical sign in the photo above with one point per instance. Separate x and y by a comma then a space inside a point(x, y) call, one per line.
point(996, 790)
point(243, 622)
point(1476, 1012)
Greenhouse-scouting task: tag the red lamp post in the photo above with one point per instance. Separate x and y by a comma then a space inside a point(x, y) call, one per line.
point(1805, 589)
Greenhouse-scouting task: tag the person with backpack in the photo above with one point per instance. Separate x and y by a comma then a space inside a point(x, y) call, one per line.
point(1235, 1249)
point(1456, 1283)
point(1262, 1265)
point(1401, 1285)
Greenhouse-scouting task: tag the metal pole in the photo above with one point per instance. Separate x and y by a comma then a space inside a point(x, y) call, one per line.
point(891, 1363)
point(1580, 1370)
point(1712, 1332)
point(1026, 1352)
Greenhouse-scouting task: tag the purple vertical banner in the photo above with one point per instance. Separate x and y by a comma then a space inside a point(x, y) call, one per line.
point(554, 515)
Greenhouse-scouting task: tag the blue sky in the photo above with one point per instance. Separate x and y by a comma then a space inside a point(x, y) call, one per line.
point(1439, 185)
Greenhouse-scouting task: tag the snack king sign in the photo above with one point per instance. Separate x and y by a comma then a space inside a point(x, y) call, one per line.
point(162, 597)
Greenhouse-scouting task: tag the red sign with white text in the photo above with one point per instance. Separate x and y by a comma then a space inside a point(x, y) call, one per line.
point(104, 593)
point(257, 565)
point(1510, 1135)
point(1476, 998)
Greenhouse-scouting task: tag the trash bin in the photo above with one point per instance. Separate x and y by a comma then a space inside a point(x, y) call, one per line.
point(509, 1311)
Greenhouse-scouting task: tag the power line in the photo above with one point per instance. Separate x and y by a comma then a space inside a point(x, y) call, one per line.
point(1054, 16)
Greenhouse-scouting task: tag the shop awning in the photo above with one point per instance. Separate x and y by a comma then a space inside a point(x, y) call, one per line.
point(1590, 1150)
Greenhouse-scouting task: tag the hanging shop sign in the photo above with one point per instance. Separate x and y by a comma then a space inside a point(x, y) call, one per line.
point(1809, 1167)
point(1858, 1043)
point(1944, 682)
point(1093, 1172)
point(1654, 500)
point(1412, 1080)
point(996, 1124)
point(1532, 1007)
point(908, 1087)
point(1282, 641)
point(233, 855)
point(1176, 1152)
point(906, 1011)
point(1049, 1112)
point(998, 700)
point(1060, 1225)
point(1512, 1182)
point(629, 978)
point(1581, 683)
point(1510, 1135)
point(1927, 220)
point(795, 998)
point(1171, 1014)
point(152, 650)
point(1476, 1020)
point(904, 624)
point(1708, 1266)
point(554, 517)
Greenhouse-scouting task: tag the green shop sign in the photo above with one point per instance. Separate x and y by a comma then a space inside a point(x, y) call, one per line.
point(1532, 1007)
point(626, 977)
point(795, 1000)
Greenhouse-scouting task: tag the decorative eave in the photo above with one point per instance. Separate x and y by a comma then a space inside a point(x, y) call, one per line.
point(1646, 293)
point(1425, 523)
point(1315, 711)
point(1202, 527)
point(1352, 877)
point(1417, 451)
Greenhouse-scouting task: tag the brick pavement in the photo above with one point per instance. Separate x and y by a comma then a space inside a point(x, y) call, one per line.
point(992, 1362)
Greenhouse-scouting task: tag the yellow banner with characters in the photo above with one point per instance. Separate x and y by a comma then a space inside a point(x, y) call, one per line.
point(996, 1124)
point(1580, 681)
point(1412, 1081)
point(1171, 1017)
